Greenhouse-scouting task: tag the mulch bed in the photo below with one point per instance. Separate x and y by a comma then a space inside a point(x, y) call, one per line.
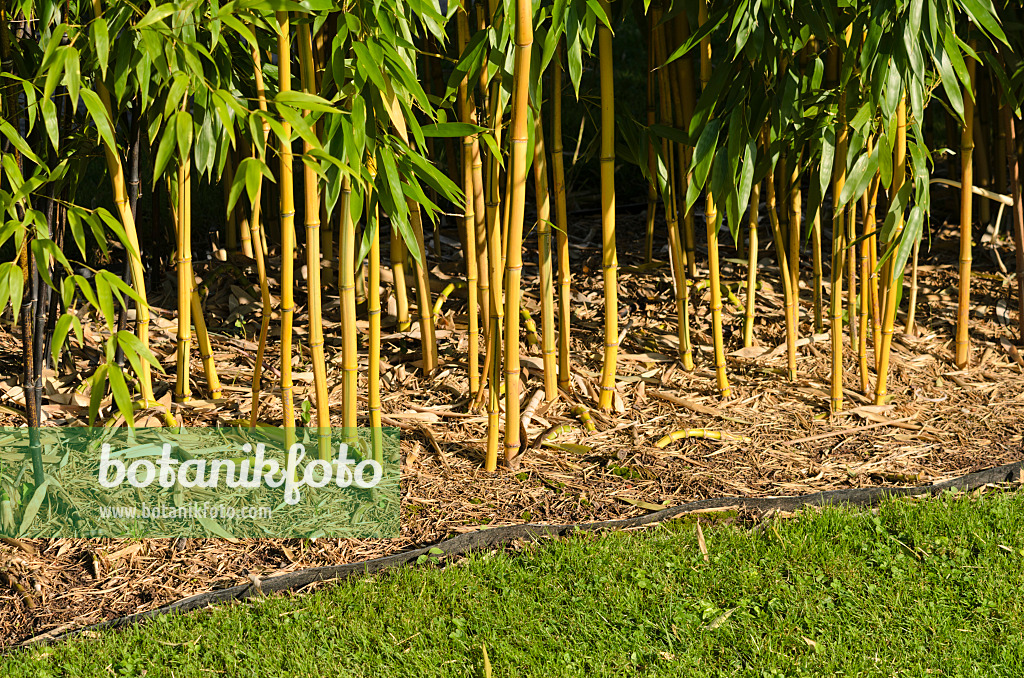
point(942, 423)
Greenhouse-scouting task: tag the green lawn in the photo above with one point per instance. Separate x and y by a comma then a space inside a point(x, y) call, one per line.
point(922, 588)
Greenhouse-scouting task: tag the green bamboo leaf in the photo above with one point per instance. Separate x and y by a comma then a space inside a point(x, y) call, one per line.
point(451, 129)
point(106, 299)
point(32, 508)
point(49, 113)
point(60, 333)
point(11, 287)
point(168, 143)
point(99, 116)
point(122, 397)
point(983, 14)
point(702, 157)
point(72, 75)
point(97, 391)
point(87, 290)
point(860, 176)
point(101, 42)
point(183, 132)
point(828, 154)
point(305, 101)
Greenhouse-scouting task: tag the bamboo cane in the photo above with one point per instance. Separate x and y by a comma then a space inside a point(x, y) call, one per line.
point(889, 311)
point(912, 304)
point(685, 96)
point(795, 215)
point(469, 218)
point(205, 347)
point(871, 240)
point(1013, 161)
point(963, 347)
point(349, 334)
point(816, 274)
point(561, 222)
point(862, 337)
point(260, 249)
point(182, 388)
point(678, 261)
point(313, 236)
point(652, 157)
point(749, 310)
point(117, 180)
point(514, 229)
point(547, 287)
point(373, 313)
point(610, 262)
point(287, 210)
point(838, 247)
point(712, 223)
point(398, 260)
point(783, 256)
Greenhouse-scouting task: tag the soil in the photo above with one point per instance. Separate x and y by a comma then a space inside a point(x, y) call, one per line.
point(777, 436)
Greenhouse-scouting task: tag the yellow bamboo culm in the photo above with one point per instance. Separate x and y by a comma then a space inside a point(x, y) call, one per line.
point(889, 309)
point(547, 287)
point(669, 90)
point(205, 347)
point(428, 342)
point(313, 236)
point(652, 156)
point(116, 171)
point(748, 314)
point(349, 335)
point(469, 218)
point(514, 227)
point(373, 313)
point(684, 96)
point(398, 260)
point(838, 245)
point(182, 387)
point(256, 226)
point(610, 260)
point(287, 205)
point(712, 223)
point(561, 222)
point(780, 249)
point(963, 347)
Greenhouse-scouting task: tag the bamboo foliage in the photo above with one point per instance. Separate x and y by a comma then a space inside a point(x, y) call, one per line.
point(780, 115)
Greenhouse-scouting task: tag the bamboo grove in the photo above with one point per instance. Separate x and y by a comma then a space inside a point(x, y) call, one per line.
point(327, 125)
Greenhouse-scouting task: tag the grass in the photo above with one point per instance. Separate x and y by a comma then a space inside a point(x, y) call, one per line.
point(922, 588)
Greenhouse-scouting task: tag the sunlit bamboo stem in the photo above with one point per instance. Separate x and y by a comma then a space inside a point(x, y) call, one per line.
point(1013, 162)
point(783, 256)
point(889, 309)
point(315, 303)
point(517, 208)
point(749, 310)
point(712, 222)
point(469, 218)
point(838, 246)
point(963, 348)
point(561, 222)
point(610, 262)
point(373, 313)
point(182, 388)
point(685, 97)
point(116, 171)
point(547, 287)
point(255, 225)
point(287, 210)
point(669, 92)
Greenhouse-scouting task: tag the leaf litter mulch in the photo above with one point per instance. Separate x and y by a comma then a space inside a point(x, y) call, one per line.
point(942, 422)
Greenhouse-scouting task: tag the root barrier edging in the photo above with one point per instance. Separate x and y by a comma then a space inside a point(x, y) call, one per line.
point(498, 536)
